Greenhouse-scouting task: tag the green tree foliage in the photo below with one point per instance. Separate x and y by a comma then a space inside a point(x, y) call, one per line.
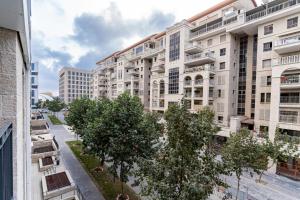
point(55, 105)
point(240, 154)
point(39, 104)
point(269, 153)
point(79, 115)
point(122, 134)
point(184, 167)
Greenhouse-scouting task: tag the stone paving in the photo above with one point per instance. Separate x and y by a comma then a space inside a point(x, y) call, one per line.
point(79, 175)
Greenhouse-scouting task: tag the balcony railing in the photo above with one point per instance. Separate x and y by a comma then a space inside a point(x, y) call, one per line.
point(198, 95)
point(198, 56)
point(206, 29)
point(289, 40)
point(150, 51)
point(199, 82)
point(290, 80)
point(272, 9)
point(200, 68)
point(6, 162)
point(188, 95)
point(187, 82)
point(293, 119)
point(290, 99)
point(287, 60)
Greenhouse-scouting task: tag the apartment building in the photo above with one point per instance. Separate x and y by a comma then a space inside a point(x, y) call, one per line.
point(74, 83)
point(34, 84)
point(240, 59)
point(15, 60)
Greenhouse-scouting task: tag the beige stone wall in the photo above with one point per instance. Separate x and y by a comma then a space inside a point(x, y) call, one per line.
point(14, 107)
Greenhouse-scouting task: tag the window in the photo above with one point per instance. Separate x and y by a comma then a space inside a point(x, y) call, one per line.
point(219, 93)
point(293, 22)
point(222, 38)
point(139, 50)
point(266, 63)
point(223, 52)
point(220, 119)
point(262, 97)
point(174, 46)
point(173, 81)
point(209, 42)
point(222, 65)
point(268, 29)
point(268, 97)
point(269, 80)
point(268, 46)
point(265, 97)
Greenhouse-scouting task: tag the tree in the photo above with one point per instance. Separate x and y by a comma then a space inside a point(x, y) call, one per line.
point(122, 135)
point(240, 154)
point(55, 105)
point(78, 116)
point(271, 152)
point(184, 167)
point(39, 104)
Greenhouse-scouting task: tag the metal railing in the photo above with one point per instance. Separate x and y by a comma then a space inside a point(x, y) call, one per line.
point(198, 56)
point(150, 51)
point(290, 80)
point(6, 162)
point(272, 9)
point(290, 99)
point(293, 119)
point(286, 60)
point(289, 40)
point(188, 82)
point(206, 29)
point(192, 45)
point(199, 82)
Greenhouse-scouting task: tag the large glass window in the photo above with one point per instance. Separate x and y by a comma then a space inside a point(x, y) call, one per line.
point(174, 81)
point(139, 50)
point(174, 46)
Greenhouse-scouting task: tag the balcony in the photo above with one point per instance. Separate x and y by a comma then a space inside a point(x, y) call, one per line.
point(199, 59)
point(188, 95)
point(208, 28)
point(198, 95)
point(158, 66)
point(287, 60)
point(188, 83)
point(149, 53)
point(199, 82)
point(290, 81)
point(290, 101)
point(290, 117)
point(193, 48)
point(133, 72)
point(134, 56)
point(287, 45)
point(198, 69)
point(129, 66)
point(271, 8)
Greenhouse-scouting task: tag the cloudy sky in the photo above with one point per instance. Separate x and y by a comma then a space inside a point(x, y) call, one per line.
point(80, 32)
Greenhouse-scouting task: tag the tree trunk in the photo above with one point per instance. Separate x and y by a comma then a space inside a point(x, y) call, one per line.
point(121, 178)
point(238, 189)
point(260, 176)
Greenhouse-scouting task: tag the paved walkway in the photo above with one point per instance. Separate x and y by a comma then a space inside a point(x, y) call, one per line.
point(79, 175)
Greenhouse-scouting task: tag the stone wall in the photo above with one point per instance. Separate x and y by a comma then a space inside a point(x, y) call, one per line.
point(14, 107)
